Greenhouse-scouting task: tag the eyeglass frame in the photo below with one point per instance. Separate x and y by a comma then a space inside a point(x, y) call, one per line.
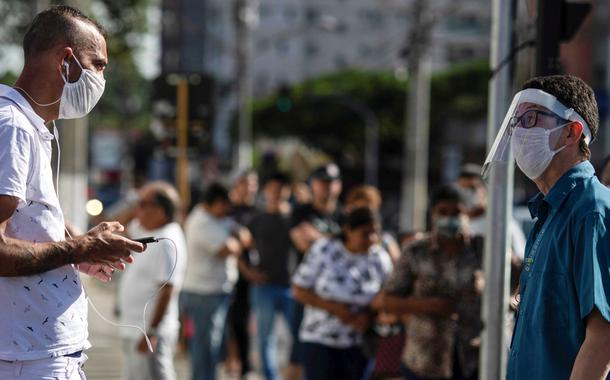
point(516, 120)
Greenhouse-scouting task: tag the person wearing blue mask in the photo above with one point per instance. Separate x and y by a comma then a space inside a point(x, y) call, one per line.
point(43, 306)
point(563, 319)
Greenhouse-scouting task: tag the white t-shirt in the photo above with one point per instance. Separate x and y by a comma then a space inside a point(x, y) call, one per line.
point(207, 273)
point(42, 315)
point(147, 273)
point(478, 227)
point(336, 274)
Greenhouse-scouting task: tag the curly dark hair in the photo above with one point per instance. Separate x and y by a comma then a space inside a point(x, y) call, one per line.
point(56, 25)
point(573, 93)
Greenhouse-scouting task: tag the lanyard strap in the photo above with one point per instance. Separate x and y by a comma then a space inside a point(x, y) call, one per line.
point(529, 260)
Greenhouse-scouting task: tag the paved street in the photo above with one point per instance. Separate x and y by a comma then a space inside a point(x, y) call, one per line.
point(105, 359)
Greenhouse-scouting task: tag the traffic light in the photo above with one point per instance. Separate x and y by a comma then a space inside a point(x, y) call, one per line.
point(558, 21)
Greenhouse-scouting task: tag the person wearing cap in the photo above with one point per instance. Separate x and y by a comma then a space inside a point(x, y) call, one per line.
point(563, 320)
point(310, 222)
point(319, 218)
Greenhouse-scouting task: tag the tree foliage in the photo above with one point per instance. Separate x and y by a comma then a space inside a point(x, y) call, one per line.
point(315, 110)
point(126, 99)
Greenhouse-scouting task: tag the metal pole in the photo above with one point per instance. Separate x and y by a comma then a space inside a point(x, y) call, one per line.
point(245, 17)
point(548, 34)
point(182, 181)
point(414, 197)
point(496, 261)
point(73, 170)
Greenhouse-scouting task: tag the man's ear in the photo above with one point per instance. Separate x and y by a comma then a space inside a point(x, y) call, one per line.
point(63, 55)
point(574, 132)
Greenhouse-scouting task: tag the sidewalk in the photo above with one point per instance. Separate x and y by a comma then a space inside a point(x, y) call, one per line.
point(105, 359)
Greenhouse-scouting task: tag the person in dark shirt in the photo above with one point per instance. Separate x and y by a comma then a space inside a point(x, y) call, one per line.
point(268, 269)
point(243, 196)
point(320, 217)
point(310, 222)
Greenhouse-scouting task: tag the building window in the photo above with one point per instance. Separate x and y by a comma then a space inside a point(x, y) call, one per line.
point(311, 50)
point(290, 13)
point(265, 11)
point(312, 16)
point(340, 62)
point(364, 51)
point(282, 47)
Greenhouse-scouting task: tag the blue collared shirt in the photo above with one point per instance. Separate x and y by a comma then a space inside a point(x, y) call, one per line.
point(565, 274)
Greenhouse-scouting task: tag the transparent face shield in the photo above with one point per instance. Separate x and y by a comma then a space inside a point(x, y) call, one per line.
point(500, 149)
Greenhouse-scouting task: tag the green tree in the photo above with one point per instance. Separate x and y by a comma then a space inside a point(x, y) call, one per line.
point(315, 110)
point(126, 101)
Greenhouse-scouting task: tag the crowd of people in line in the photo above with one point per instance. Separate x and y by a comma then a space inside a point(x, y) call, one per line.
point(350, 292)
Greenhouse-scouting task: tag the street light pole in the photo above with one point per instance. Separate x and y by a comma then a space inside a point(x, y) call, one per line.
point(496, 262)
point(414, 197)
point(246, 17)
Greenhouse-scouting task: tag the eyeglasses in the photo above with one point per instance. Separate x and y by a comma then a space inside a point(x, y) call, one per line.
point(529, 118)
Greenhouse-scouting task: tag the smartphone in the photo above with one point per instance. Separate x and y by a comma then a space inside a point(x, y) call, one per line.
point(146, 240)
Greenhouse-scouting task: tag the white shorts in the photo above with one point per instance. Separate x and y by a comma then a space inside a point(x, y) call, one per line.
point(60, 368)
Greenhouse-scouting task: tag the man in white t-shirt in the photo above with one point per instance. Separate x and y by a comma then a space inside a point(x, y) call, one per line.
point(156, 279)
point(213, 243)
point(43, 308)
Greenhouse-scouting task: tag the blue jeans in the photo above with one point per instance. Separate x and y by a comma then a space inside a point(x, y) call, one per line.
point(266, 301)
point(209, 315)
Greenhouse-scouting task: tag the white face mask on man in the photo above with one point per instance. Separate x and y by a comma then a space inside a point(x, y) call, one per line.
point(531, 148)
point(79, 98)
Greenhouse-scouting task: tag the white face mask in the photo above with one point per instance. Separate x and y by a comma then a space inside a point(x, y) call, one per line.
point(532, 149)
point(79, 98)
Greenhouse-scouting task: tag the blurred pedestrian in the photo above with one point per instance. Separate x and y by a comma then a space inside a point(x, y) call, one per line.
point(319, 218)
point(268, 271)
point(471, 182)
point(563, 322)
point(43, 306)
point(437, 282)
point(243, 195)
point(310, 222)
point(156, 278)
point(369, 196)
point(336, 281)
point(213, 246)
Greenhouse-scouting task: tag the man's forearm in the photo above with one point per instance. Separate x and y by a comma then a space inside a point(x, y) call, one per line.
point(163, 299)
point(591, 363)
point(21, 258)
point(593, 359)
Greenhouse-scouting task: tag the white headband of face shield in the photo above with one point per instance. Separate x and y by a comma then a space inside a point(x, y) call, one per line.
point(500, 150)
point(550, 102)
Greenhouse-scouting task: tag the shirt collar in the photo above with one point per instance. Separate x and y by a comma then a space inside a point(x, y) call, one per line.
point(561, 188)
point(27, 109)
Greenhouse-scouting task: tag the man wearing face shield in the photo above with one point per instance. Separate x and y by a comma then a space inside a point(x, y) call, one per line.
point(43, 306)
point(562, 328)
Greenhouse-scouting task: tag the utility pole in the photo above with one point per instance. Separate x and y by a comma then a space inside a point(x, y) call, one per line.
point(246, 18)
point(182, 107)
point(557, 22)
point(74, 140)
point(414, 194)
point(496, 261)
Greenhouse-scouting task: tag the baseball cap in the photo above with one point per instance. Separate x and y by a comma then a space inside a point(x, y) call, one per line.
point(328, 172)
